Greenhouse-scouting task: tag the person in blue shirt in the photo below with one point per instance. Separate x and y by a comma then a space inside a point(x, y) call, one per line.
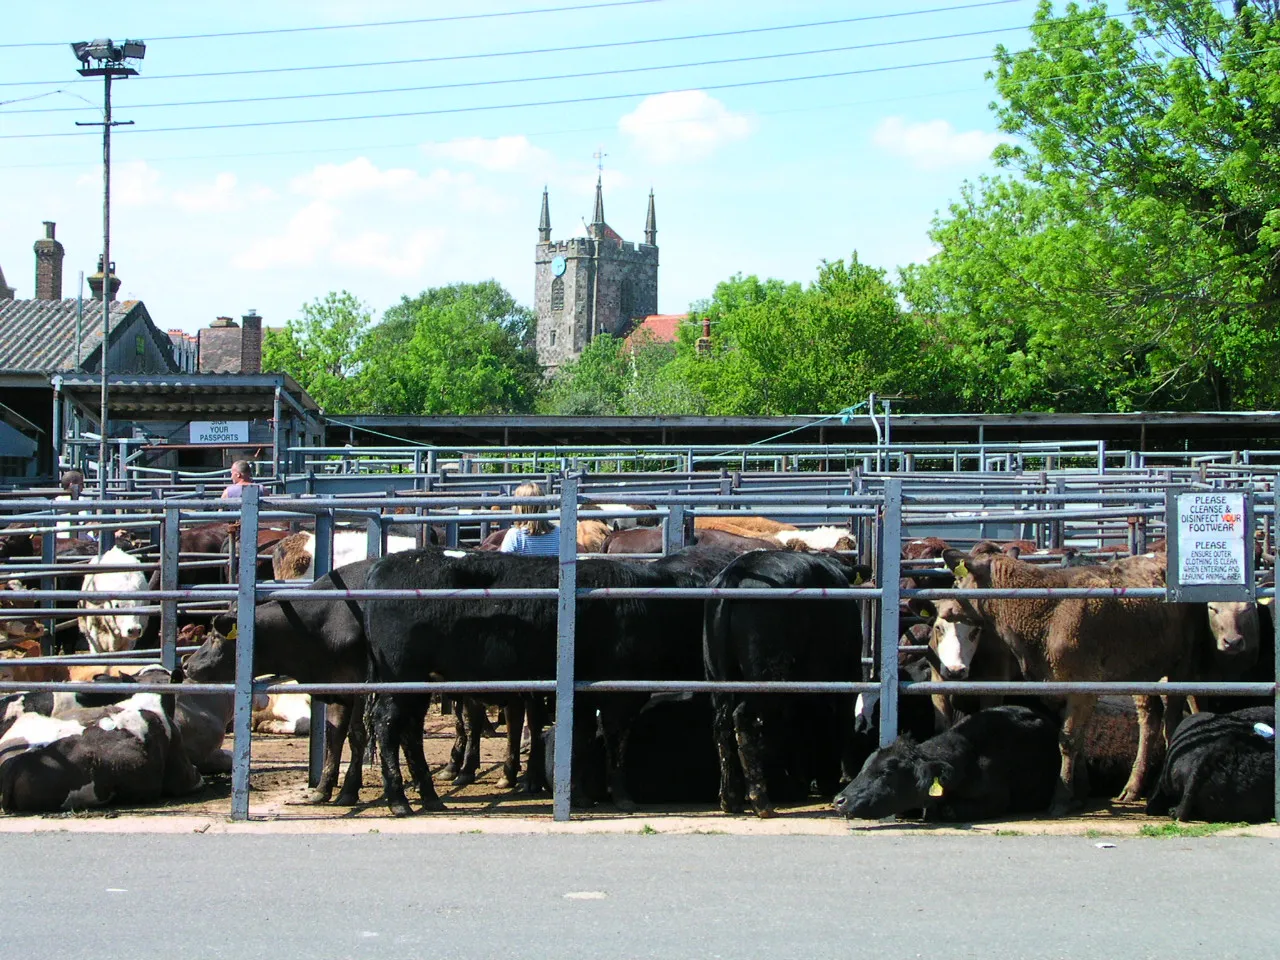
point(533, 537)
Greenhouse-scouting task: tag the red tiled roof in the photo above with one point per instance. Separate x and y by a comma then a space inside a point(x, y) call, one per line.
point(660, 327)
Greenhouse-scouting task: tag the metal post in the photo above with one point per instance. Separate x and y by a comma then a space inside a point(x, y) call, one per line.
point(1055, 527)
point(1275, 622)
point(169, 545)
point(276, 456)
point(322, 564)
point(888, 571)
point(1102, 457)
point(673, 529)
point(566, 612)
point(49, 556)
point(373, 526)
point(244, 653)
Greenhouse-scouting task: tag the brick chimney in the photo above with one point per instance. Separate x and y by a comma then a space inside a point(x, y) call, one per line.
point(49, 254)
point(251, 343)
point(95, 280)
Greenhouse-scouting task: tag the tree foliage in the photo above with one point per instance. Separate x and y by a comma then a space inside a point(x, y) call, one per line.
point(1134, 262)
point(322, 350)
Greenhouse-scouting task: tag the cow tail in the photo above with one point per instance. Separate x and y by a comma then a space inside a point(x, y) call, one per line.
point(372, 706)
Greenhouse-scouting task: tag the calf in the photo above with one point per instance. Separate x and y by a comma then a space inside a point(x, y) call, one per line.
point(1220, 767)
point(294, 556)
point(649, 540)
point(771, 743)
point(999, 761)
point(129, 751)
point(312, 641)
point(118, 631)
point(745, 526)
point(1098, 639)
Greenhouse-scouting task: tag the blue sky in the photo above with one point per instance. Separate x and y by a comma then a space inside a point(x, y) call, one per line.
point(765, 178)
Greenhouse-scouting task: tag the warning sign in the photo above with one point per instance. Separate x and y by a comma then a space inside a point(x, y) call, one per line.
point(1211, 538)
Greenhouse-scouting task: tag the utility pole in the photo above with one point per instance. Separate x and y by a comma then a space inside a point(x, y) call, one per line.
point(108, 62)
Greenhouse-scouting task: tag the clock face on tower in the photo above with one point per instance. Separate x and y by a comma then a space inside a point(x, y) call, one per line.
point(557, 266)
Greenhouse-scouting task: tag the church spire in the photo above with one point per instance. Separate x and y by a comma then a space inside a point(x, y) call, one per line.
point(651, 224)
point(544, 222)
point(598, 217)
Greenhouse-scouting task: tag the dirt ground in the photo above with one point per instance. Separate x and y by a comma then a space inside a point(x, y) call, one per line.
point(278, 792)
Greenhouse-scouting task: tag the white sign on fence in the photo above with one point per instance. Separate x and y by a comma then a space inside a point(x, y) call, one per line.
point(1211, 538)
point(219, 431)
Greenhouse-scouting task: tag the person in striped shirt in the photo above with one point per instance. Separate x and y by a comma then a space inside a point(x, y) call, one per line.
point(537, 538)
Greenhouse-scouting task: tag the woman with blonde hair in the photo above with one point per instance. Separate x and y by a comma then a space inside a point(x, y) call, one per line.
point(535, 537)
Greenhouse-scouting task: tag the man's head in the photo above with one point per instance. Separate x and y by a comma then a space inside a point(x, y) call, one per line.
point(241, 472)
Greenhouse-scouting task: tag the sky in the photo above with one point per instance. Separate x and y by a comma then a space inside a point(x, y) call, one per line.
point(774, 136)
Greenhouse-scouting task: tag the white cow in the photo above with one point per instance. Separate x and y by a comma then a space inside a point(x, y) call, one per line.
point(284, 713)
point(819, 538)
point(120, 631)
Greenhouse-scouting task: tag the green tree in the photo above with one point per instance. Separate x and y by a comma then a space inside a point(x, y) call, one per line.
point(613, 377)
point(779, 348)
point(467, 348)
point(1137, 262)
point(322, 350)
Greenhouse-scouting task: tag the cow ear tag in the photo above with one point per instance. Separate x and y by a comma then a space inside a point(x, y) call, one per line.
point(960, 570)
point(935, 788)
point(857, 579)
point(231, 634)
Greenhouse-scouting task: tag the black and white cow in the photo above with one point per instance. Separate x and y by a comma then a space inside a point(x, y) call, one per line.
point(775, 745)
point(129, 751)
point(997, 761)
point(1220, 767)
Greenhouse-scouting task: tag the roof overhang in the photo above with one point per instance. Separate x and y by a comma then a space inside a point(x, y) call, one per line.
point(177, 396)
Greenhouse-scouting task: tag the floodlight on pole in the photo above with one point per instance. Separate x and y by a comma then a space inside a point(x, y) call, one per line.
point(103, 58)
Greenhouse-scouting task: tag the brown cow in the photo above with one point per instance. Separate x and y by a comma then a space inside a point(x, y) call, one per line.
point(744, 526)
point(1102, 639)
point(924, 548)
point(649, 540)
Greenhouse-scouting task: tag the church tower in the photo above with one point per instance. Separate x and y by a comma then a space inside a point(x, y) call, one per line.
point(599, 283)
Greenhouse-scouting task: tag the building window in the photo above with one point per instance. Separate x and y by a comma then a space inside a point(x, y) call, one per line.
point(140, 345)
point(557, 295)
point(551, 338)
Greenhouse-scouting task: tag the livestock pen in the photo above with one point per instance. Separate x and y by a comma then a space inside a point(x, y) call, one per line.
point(1055, 506)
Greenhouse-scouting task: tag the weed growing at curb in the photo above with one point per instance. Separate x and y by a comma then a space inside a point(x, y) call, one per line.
point(647, 831)
point(1176, 829)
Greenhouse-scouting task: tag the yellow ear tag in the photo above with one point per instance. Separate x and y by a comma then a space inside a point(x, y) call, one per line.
point(960, 570)
point(857, 579)
point(935, 789)
point(231, 634)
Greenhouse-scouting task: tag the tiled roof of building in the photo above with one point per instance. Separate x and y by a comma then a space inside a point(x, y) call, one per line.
point(659, 327)
point(39, 336)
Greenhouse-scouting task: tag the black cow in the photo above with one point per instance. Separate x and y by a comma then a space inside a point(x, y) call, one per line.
point(312, 641)
point(998, 761)
point(515, 639)
point(1220, 767)
point(782, 741)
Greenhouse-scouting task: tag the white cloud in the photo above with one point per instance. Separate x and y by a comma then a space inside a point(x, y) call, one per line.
point(934, 144)
point(687, 125)
point(334, 181)
point(381, 253)
point(217, 196)
point(499, 154)
point(308, 232)
point(134, 183)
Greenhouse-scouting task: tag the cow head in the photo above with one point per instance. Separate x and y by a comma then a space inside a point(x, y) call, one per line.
point(894, 778)
point(1234, 626)
point(954, 640)
point(215, 661)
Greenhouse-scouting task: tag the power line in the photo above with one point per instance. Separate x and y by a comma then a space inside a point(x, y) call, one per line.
point(542, 79)
point(358, 26)
point(507, 106)
point(404, 145)
point(544, 50)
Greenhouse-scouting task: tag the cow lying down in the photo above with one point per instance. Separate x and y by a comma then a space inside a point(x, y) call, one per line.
point(1220, 767)
point(998, 761)
point(91, 754)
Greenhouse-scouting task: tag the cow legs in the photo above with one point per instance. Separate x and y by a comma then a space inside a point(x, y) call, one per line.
point(513, 714)
point(458, 751)
point(535, 779)
point(415, 715)
point(750, 735)
point(617, 711)
point(732, 787)
point(389, 725)
point(357, 736)
point(1070, 742)
point(1148, 717)
point(477, 721)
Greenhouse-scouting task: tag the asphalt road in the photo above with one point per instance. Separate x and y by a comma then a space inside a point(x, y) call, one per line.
point(595, 896)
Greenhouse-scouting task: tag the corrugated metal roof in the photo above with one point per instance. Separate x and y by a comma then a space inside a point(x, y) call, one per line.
point(40, 335)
